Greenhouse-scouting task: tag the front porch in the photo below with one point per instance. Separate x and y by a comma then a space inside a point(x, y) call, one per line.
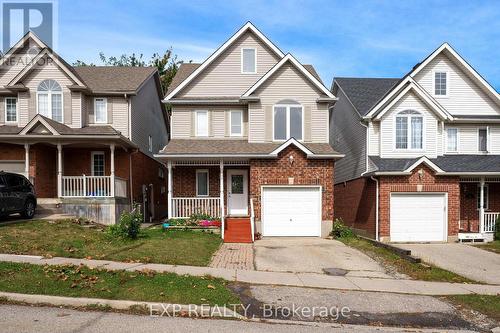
point(479, 208)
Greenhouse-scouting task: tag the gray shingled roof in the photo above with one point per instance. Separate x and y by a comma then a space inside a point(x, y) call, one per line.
point(224, 147)
point(186, 69)
point(364, 93)
point(448, 163)
point(114, 78)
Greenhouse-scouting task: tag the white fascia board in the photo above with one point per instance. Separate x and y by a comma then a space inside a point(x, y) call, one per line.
point(38, 119)
point(465, 173)
point(427, 162)
point(297, 65)
point(295, 143)
point(412, 86)
point(465, 64)
point(220, 50)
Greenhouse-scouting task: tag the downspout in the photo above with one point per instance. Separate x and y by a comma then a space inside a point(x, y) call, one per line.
point(376, 208)
point(130, 177)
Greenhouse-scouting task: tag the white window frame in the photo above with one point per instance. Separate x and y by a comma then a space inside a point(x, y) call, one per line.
point(458, 140)
point(486, 196)
point(434, 83)
point(287, 117)
point(17, 111)
point(231, 123)
point(150, 143)
point(196, 123)
point(105, 111)
point(255, 53)
point(408, 133)
point(487, 140)
point(93, 154)
point(199, 171)
point(49, 100)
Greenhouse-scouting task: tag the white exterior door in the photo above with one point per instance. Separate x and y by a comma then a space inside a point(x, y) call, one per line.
point(291, 211)
point(418, 217)
point(237, 192)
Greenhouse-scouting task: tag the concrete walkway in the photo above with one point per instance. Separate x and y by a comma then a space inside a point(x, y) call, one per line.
point(277, 278)
point(465, 260)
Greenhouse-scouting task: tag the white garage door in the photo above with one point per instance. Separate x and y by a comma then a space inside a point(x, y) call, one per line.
point(418, 217)
point(291, 211)
point(12, 166)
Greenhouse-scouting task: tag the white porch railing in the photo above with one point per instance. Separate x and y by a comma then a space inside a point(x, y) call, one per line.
point(185, 207)
point(252, 220)
point(490, 220)
point(86, 186)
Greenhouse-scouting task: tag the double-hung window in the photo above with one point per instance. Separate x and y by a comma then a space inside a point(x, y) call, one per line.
point(49, 100)
point(409, 130)
point(201, 123)
point(440, 84)
point(452, 140)
point(202, 183)
point(101, 110)
point(288, 122)
point(248, 61)
point(482, 140)
point(236, 123)
point(11, 109)
point(97, 163)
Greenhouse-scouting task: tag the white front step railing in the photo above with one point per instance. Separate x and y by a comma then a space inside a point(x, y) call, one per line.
point(490, 220)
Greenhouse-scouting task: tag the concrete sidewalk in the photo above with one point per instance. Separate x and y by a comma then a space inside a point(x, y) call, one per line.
point(313, 280)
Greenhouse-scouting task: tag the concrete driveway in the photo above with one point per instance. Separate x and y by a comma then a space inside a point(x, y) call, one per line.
point(465, 260)
point(301, 254)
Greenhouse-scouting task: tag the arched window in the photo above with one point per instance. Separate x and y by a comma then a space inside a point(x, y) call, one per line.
point(49, 100)
point(288, 121)
point(409, 130)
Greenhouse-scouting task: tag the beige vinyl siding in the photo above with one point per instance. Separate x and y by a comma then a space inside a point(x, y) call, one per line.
point(119, 112)
point(288, 83)
point(387, 127)
point(76, 107)
point(219, 126)
point(464, 95)
point(2, 110)
point(49, 71)
point(468, 138)
point(15, 64)
point(25, 112)
point(223, 77)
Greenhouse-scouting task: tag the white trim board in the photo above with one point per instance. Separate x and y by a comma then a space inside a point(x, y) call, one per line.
point(247, 27)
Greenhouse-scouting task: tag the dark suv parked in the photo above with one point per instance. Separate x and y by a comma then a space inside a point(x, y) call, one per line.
point(17, 195)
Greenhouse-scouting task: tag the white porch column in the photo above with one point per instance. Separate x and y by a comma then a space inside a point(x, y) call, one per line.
point(27, 160)
point(112, 169)
point(221, 191)
point(59, 170)
point(169, 189)
point(481, 205)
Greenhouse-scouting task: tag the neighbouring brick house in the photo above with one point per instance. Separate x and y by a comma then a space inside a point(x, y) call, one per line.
point(422, 152)
point(84, 136)
point(249, 141)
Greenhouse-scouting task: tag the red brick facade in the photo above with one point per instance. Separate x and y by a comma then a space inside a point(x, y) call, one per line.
point(355, 204)
point(423, 179)
point(277, 171)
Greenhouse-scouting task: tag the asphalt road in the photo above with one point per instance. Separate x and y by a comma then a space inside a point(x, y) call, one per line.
point(14, 318)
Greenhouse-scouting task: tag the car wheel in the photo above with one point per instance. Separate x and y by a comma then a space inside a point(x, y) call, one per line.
point(29, 209)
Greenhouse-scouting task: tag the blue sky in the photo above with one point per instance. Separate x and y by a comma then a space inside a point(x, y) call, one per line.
point(340, 38)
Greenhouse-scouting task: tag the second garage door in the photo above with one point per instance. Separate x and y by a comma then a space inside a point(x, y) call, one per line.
point(418, 217)
point(12, 166)
point(291, 211)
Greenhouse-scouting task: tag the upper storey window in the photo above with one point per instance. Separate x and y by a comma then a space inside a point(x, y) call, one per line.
point(49, 97)
point(440, 84)
point(11, 109)
point(248, 61)
point(288, 121)
point(482, 140)
point(201, 122)
point(101, 110)
point(409, 130)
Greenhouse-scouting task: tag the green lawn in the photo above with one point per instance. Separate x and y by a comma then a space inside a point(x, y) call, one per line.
point(81, 281)
point(493, 246)
point(486, 304)
point(390, 259)
point(66, 239)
